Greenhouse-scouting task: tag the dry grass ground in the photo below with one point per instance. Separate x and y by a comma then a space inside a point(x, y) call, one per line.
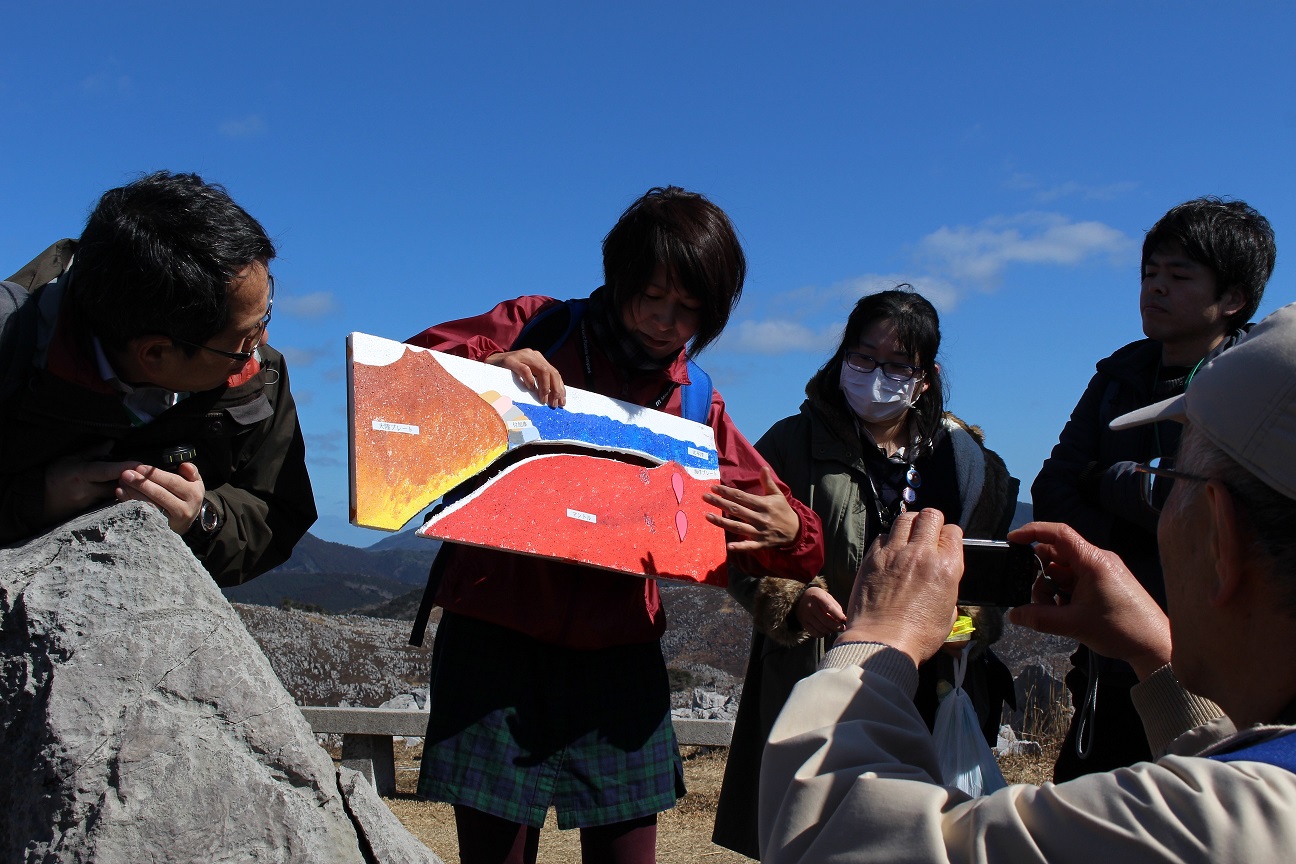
point(683, 833)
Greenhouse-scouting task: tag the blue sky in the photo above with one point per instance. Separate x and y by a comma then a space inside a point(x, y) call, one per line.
point(416, 163)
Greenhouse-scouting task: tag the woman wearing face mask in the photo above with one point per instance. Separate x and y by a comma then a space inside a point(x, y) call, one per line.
point(871, 440)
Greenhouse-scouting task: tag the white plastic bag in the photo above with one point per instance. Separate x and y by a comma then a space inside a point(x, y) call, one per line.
point(963, 755)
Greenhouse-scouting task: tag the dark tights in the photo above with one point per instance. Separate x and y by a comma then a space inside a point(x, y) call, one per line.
point(486, 839)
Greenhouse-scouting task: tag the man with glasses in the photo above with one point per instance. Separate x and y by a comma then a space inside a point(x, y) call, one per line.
point(850, 772)
point(1204, 269)
point(134, 366)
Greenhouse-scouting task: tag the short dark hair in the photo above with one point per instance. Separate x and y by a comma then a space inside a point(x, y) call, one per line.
point(157, 257)
point(1229, 237)
point(693, 239)
point(918, 329)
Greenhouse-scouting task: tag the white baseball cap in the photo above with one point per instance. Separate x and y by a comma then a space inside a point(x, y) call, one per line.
point(1244, 402)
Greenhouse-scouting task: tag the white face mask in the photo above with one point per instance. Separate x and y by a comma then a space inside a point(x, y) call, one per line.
point(875, 397)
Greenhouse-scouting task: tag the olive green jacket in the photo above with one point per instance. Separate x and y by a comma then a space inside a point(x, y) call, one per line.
point(820, 455)
point(833, 481)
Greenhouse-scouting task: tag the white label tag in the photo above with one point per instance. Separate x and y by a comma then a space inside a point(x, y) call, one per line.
point(698, 454)
point(384, 426)
point(584, 517)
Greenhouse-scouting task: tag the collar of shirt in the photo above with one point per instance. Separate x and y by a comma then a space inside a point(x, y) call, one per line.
point(144, 403)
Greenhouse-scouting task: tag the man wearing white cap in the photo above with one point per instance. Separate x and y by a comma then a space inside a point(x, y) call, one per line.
point(850, 771)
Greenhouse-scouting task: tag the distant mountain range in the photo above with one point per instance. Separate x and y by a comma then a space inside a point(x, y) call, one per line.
point(1021, 515)
point(337, 578)
point(384, 580)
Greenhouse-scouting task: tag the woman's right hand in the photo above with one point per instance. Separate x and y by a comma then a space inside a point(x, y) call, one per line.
point(819, 613)
point(536, 374)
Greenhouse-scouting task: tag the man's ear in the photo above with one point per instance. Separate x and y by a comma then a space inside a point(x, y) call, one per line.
point(1231, 301)
point(150, 355)
point(1227, 544)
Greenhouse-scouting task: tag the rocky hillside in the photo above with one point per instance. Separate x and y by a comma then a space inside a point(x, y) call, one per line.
point(338, 659)
point(362, 658)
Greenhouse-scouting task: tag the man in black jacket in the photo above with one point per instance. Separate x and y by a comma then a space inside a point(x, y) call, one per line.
point(1204, 269)
point(135, 367)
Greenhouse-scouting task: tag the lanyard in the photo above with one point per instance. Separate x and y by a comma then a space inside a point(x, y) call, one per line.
point(906, 497)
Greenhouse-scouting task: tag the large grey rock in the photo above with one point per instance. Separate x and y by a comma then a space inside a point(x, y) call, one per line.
point(387, 839)
point(140, 722)
point(708, 705)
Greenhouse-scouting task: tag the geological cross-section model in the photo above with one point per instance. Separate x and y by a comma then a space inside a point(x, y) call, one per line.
point(416, 432)
point(624, 494)
point(600, 512)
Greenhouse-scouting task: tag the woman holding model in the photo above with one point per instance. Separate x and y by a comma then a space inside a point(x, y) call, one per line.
point(548, 685)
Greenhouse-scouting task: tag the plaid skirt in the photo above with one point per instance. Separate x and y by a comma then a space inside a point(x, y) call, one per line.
point(519, 725)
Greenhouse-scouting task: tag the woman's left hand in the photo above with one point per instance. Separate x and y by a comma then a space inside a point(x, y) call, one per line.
point(764, 520)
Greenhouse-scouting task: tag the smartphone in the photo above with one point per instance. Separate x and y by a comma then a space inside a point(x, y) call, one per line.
point(997, 573)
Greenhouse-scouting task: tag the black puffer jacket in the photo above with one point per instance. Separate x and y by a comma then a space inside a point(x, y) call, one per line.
point(1089, 481)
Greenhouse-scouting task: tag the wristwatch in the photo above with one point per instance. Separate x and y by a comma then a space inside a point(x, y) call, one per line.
point(207, 521)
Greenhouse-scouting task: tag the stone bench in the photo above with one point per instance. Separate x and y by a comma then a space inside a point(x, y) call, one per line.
point(367, 735)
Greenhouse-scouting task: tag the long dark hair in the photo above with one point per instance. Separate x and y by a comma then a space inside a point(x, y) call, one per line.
point(693, 239)
point(918, 329)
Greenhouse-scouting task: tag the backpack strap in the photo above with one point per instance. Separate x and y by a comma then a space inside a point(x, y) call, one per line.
point(1280, 751)
point(695, 397)
point(551, 326)
point(47, 266)
point(435, 572)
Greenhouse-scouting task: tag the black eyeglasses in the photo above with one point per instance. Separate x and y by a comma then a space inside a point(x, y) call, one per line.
point(891, 369)
point(240, 356)
point(1155, 493)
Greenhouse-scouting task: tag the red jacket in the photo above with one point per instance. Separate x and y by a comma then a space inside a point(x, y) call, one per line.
point(571, 605)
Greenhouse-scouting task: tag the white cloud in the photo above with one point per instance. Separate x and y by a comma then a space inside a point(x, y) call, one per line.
point(315, 305)
point(950, 262)
point(326, 449)
point(333, 441)
point(1069, 188)
point(941, 293)
point(100, 83)
point(778, 337)
point(300, 358)
point(980, 253)
point(795, 332)
point(243, 127)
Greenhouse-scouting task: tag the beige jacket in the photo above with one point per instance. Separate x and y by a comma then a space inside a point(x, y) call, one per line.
point(850, 775)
